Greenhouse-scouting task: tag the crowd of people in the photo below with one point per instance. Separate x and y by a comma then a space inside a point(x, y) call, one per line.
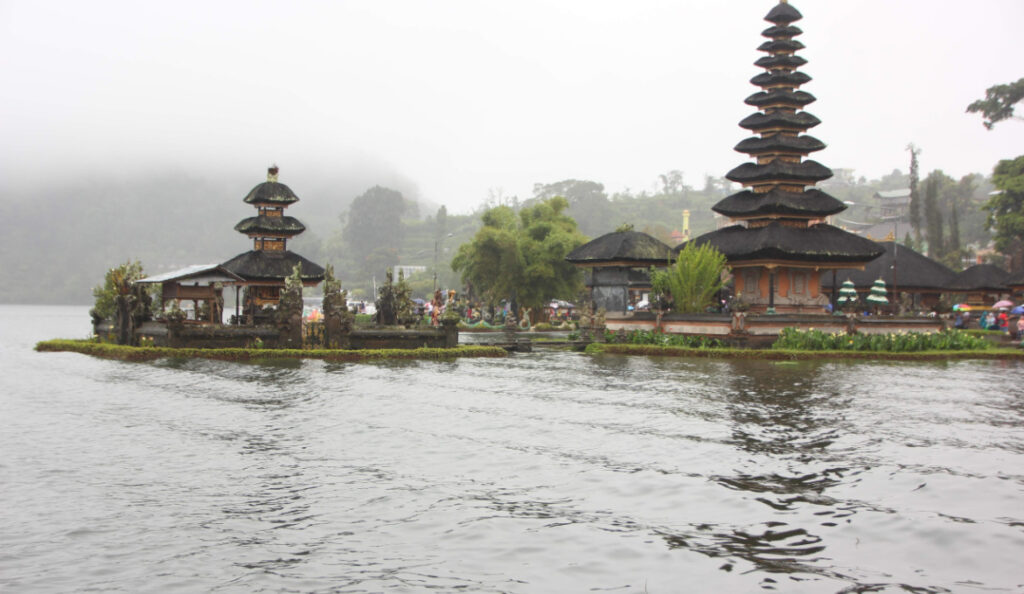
point(1001, 320)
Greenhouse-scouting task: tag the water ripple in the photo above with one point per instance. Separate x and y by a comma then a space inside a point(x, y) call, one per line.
point(541, 472)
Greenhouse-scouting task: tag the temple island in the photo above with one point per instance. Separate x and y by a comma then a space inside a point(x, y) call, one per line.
point(268, 281)
point(787, 260)
point(790, 266)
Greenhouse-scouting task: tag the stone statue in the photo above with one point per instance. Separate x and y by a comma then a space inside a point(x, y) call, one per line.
point(289, 311)
point(338, 320)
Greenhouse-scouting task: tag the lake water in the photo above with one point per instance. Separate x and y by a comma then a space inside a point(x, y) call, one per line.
point(543, 472)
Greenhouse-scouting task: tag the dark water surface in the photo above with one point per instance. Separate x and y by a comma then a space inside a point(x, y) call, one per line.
point(545, 472)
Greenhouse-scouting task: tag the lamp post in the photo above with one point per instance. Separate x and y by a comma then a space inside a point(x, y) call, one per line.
point(895, 252)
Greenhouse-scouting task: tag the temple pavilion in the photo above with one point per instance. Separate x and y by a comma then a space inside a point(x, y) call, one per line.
point(779, 242)
point(617, 266)
point(265, 267)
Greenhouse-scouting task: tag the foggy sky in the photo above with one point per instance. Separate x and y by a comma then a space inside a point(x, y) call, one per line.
point(464, 97)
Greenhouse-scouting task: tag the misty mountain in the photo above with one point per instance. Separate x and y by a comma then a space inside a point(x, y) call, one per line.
point(63, 234)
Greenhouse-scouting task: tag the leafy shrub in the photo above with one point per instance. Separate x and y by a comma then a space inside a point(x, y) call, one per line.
point(900, 342)
point(117, 281)
point(654, 337)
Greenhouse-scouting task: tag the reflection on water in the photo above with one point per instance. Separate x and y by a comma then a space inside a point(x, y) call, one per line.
point(542, 472)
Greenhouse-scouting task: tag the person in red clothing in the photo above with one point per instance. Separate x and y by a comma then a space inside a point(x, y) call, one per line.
point(1004, 320)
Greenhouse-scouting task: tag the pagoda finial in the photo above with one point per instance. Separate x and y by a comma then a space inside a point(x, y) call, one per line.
point(272, 173)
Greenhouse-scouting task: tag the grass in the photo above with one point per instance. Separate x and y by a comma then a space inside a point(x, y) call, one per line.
point(792, 354)
point(130, 353)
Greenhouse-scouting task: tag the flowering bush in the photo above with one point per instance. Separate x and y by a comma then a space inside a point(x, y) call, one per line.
point(900, 342)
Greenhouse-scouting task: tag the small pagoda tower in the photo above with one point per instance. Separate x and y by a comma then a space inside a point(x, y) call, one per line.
point(270, 229)
point(265, 267)
point(779, 242)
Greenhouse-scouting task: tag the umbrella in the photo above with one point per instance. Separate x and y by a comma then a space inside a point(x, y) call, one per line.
point(961, 307)
point(847, 293)
point(1003, 303)
point(1017, 310)
point(877, 295)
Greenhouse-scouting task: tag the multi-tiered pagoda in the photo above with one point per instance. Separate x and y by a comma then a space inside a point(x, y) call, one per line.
point(779, 241)
point(265, 267)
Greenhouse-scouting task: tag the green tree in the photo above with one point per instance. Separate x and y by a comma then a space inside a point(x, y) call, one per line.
point(588, 203)
point(693, 280)
point(940, 199)
point(373, 231)
point(117, 281)
point(915, 195)
point(998, 103)
point(1006, 210)
point(441, 222)
point(522, 257)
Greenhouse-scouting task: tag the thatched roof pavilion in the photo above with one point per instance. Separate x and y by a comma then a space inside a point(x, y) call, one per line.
point(1016, 284)
point(617, 264)
point(983, 284)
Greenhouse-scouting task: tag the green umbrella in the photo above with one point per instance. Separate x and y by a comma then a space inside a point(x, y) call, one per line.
point(877, 295)
point(847, 293)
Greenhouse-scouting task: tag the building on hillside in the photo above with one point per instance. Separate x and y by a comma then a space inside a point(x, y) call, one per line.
point(779, 243)
point(904, 272)
point(264, 268)
point(617, 266)
point(894, 223)
point(894, 204)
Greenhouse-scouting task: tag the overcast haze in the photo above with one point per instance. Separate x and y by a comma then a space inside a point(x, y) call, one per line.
point(464, 97)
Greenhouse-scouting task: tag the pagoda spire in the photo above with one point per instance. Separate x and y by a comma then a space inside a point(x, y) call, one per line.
point(270, 229)
point(781, 146)
point(779, 239)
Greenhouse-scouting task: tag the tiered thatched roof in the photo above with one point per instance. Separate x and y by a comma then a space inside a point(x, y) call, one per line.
point(259, 265)
point(781, 219)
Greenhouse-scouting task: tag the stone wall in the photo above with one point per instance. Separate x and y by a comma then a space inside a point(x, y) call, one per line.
point(742, 324)
point(215, 336)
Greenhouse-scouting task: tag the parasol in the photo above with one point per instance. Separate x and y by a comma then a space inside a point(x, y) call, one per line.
point(847, 293)
point(877, 295)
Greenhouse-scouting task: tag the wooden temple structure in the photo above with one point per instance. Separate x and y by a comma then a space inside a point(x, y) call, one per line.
point(779, 242)
point(616, 266)
point(200, 284)
point(264, 268)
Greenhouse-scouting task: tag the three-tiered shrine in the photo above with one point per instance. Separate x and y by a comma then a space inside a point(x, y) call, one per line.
point(779, 241)
point(265, 267)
